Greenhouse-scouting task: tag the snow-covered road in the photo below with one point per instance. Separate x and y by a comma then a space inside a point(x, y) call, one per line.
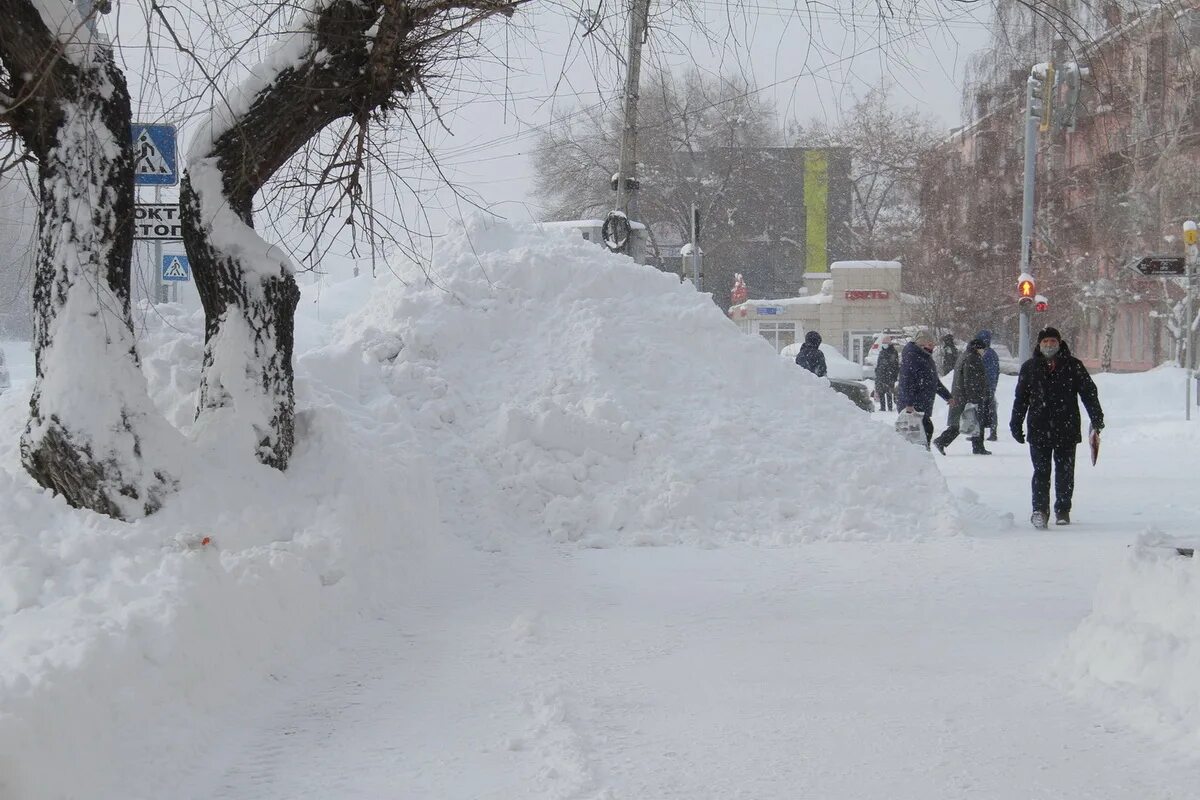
point(907, 671)
point(842, 670)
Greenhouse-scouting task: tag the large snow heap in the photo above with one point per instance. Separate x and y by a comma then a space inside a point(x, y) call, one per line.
point(530, 387)
point(578, 393)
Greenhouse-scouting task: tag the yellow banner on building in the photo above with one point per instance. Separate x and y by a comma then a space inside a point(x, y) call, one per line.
point(816, 207)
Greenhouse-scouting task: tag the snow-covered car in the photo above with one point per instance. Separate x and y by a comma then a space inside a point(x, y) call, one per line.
point(857, 391)
point(1009, 364)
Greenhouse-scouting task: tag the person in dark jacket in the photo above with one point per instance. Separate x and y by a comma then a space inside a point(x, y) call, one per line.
point(1046, 408)
point(919, 381)
point(970, 386)
point(991, 365)
point(887, 370)
point(947, 354)
point(810, 356)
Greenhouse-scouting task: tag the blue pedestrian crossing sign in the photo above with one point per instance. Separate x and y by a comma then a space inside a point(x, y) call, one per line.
point(176, 268)
point(154, 155)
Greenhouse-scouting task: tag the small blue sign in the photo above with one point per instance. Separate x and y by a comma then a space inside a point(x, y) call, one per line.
point(176, 268)
point(767, 311)
point(154, 156)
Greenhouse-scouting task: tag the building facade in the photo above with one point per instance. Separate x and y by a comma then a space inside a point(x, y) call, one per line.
point(1113, 184)
point(848, 306)
point(791, 218)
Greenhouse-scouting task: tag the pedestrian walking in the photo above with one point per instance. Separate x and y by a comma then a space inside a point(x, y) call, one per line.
point(970, 387)
point(1046, 410)
point(887, 372)
point(947, 354)
point(810, 356)
point(919, 382)
point(991, 365)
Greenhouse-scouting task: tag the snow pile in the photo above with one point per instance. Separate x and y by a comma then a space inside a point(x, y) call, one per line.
point(108, 627)
point(1138, 652)
point(604, 402)
point(536, 386)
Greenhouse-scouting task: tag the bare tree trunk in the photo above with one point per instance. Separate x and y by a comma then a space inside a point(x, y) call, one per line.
point(93, 436)
point(1110, 330)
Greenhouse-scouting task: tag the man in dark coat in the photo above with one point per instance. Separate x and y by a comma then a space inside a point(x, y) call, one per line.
point(887, 370)
point(810, 356)
point(919, 381)
point(948, 353)
point(991, 365)
point(1049, 389)
point(970, 387)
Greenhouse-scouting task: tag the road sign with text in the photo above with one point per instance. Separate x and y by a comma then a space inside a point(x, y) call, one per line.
point(1160, 265)
point(157, 221)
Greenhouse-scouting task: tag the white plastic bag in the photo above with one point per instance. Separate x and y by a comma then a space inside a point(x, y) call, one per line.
point(968, 425)
point(910, 426)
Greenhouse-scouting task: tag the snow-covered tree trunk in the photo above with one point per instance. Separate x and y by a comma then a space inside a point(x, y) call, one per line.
point(93, 435)
point(249, 296)
point(342, 60)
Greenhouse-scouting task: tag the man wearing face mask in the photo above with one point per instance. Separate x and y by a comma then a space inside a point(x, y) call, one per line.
point(1049, 389)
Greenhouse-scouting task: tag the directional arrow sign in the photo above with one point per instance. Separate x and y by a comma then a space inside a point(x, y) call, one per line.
point(1160, 265)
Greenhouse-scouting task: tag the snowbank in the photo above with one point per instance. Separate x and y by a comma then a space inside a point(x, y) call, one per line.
point(1138, 652)
point(111, 634)
point(604, 402)
point(533, 387)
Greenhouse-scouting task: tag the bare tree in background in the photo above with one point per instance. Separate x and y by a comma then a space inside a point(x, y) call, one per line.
point(18, 226)
point(701, 140)
point(887, 145)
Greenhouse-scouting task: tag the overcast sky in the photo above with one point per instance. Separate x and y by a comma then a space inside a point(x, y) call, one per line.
point(808, 63)
point(543, 64)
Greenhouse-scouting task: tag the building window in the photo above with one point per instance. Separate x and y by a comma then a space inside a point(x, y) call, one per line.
point(779, 334)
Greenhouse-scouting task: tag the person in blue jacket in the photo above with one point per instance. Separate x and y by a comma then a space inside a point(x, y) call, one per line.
point(919, 381)
point(991, 367)
point(810, 356)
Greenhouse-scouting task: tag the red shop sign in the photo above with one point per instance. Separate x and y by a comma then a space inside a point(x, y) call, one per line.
point(867, 294)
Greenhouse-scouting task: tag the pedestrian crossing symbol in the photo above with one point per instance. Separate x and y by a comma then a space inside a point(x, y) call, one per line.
point(154, 159)
point(176, 268)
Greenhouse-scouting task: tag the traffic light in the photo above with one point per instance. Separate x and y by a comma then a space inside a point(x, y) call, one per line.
point(1026, 290)
point(1040, 303)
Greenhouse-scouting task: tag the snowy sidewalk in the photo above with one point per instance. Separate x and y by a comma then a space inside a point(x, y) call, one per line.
point(829, 671)
point(842, 670)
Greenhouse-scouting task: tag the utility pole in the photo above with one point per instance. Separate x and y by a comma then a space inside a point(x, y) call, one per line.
point(1037, 105)
point(1039, 115)
point(697, 253)
point(627, 185)
point(1189, 240)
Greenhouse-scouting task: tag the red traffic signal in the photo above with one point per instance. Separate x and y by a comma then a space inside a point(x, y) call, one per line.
point(1040, 303)
point(1026, 290)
